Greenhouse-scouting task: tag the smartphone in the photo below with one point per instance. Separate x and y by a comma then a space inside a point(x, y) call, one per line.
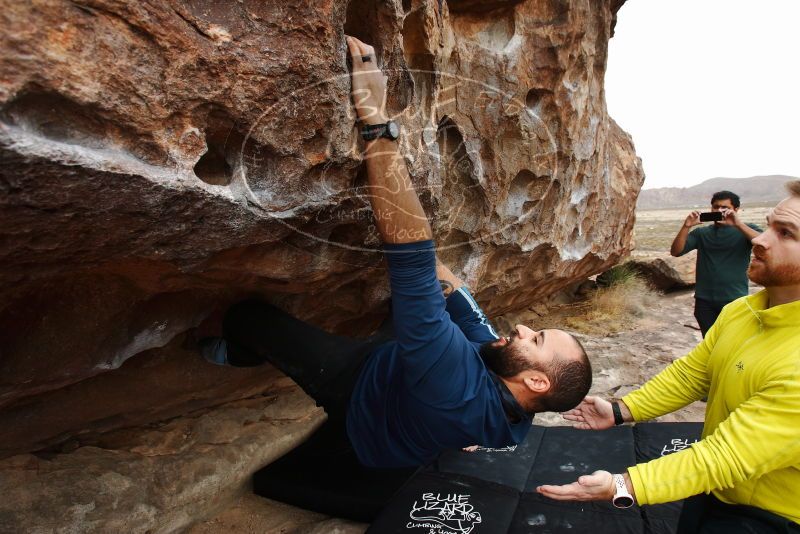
point(711, 216)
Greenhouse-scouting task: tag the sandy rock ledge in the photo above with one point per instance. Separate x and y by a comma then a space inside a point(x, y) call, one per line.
point(157, 480)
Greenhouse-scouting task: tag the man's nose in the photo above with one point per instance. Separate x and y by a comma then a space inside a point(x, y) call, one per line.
point(761, 239)
point(524, 332)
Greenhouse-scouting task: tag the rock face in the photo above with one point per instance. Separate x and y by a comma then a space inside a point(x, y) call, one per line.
point(161, 479)
point(253, 514)
point(161, 159)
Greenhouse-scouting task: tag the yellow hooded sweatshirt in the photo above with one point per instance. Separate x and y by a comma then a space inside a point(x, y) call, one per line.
point(749, 367)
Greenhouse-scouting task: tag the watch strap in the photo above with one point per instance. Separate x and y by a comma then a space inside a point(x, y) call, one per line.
point(618, 419)
point(622, 497)
point(370, 132)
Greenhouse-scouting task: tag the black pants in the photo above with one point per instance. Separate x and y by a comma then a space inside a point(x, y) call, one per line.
point(323, 474)
point(324, 365)
point(706, 313)
point(705, 514)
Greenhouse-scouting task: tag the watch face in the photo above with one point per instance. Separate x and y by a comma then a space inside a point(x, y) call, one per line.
point(392, 129)
point(622, 501)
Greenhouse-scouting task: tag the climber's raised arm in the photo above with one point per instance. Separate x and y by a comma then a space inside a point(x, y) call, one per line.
point(398, 212)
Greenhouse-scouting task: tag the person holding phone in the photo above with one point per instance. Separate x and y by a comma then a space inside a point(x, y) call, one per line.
point(723, 254)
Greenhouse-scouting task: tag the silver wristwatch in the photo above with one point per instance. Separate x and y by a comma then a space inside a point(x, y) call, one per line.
point(622, 497)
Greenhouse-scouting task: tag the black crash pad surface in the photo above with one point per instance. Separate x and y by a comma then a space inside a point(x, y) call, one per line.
point(656, 440)
point(493, 491)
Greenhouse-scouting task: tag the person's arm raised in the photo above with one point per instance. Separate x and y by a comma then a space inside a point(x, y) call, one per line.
point(732, 218)
point(679, 243)
point(424, 334)
point(449, 281)
point(462, 307)
point(398, 213)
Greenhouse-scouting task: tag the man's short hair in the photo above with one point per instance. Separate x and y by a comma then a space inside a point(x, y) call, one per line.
point(570, 380)
point(726, 195)
point(793, 187)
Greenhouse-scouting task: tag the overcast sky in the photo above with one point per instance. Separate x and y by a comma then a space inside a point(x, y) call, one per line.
point(708, 88)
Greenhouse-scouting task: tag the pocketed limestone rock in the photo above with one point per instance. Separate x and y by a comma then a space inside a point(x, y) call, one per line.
point(160, 160)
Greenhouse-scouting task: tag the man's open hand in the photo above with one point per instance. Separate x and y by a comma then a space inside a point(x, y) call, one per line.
point(599, 486)
point(368, 83)
point(593, 413)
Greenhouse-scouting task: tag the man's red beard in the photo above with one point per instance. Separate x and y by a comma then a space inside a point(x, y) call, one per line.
point(778, 276)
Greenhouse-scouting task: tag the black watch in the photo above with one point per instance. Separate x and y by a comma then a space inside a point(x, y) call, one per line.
point(618, 419)
point(389, 130)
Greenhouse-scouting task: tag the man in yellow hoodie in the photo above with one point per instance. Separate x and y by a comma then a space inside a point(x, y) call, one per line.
point(745, 472)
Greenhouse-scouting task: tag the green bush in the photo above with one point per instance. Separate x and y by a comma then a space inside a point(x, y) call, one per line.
point(618, 275)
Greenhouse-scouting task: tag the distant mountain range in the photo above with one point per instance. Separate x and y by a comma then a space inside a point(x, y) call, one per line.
point(751, 190)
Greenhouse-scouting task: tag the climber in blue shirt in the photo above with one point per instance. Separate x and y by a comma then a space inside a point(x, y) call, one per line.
point(443, 379)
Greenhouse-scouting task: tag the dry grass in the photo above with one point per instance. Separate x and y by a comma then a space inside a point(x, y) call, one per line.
point(606, 310)
point(612, 309)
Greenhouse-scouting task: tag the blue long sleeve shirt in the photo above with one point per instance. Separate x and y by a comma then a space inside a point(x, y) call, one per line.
point(428, 390)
